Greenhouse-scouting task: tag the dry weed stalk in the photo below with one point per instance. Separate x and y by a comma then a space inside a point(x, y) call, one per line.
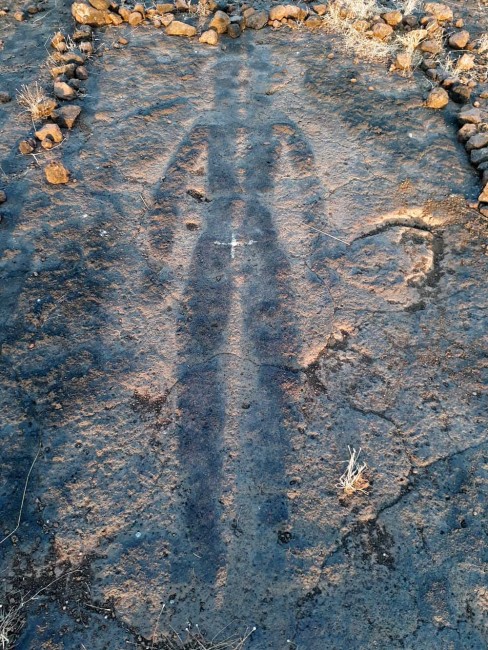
point(353, 479)
point(37, 103)
point(408, 44)
point(482, 43)
point(340, 18)
point(202, 8)
point(195, 640)
point(410, 41)
point(355, 9)
point(10, 625)
point(12, 617)
point(408, 7)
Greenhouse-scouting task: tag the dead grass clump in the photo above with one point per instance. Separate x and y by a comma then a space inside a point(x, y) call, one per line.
point(461, 69)
point(408, 7)
point(353, 479)
point(482, 44)
point(407, 45)
point(341, 18)
point(11, 622)
point(37, 103)
point(410, 41)
point(12, 616)
point(202, 8)
point(355, 9)
point(195, 640)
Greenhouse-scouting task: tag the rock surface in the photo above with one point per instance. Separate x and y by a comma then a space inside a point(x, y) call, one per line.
point(196, 358)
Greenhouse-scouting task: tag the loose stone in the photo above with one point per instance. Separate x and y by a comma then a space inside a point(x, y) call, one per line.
point(51, 130)
point(56, 173)
point(392, 18)
point(234, 30)
point(381, 31)
point(67, 115)
point(439, 10)
point(257, 20)
point(470, 115)
point(88, 15)
point(178, 28)
point(479, 156)
point(459, 40)
point(438, 98)
point(63, 91)
point(27, 146)
point(210, 37)
point(460, 93)
point(466, 132)
point(477, 141)
point(220, 22)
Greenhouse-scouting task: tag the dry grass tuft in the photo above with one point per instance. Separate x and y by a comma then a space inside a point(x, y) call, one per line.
point(11, 622)
point(37, 103)
point(340, 19)
point(407, 44)
point(353, 479)
point(355, 9)
point(12, 616)
point(482, 44)
point(410, 41)
point(408, 7)
point(195, 640)
point(202, 8)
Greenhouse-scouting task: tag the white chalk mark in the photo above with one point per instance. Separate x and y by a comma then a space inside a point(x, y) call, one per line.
point(234, 243)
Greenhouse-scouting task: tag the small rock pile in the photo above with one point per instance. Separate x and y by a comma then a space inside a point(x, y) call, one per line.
point(474, 135)
point(68, 72)
point(24, 14)
point(177, 18)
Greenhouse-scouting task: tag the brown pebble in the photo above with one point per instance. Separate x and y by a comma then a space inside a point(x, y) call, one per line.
point(123, 41)
point(81, 73)
point(56, 173)
point(27, 146)
point(3, 196)
point(47, 143)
